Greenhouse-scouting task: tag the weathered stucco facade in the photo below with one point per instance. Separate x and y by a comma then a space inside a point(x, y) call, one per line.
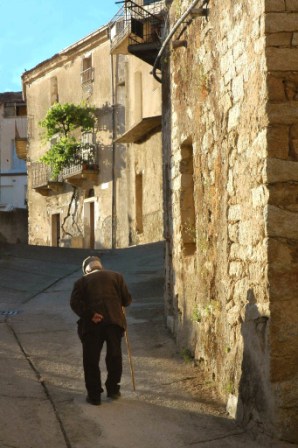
point(95, 207)
point(13, 171)
point(229, 136)
point(143, 138)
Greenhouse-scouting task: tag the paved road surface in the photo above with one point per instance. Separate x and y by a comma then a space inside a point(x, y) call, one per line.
point(42, 395)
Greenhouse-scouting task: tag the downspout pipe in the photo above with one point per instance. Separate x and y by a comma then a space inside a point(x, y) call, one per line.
point(114, 188)
point(169, 37)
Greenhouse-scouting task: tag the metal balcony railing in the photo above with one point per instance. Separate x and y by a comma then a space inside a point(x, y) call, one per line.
point(42, 175)
point(86, 159)
point(87, 75)
point(139, 20)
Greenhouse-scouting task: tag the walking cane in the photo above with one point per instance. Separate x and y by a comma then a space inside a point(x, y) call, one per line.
point(129, 357)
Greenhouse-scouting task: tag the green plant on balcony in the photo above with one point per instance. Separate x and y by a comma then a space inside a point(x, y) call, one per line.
point(61, 121)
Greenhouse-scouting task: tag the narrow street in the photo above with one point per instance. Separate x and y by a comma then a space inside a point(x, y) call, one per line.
point(42, 394)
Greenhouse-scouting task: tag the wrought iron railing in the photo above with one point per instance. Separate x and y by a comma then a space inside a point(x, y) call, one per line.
point(85, 159)
point(87, 75)
point(42, 174)
point(141, 22)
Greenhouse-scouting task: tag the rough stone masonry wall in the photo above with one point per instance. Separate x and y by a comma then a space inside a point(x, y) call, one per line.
point(281, 25)
point(221, 300)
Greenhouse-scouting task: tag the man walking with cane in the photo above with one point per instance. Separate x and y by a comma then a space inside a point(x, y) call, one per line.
point(97, 298)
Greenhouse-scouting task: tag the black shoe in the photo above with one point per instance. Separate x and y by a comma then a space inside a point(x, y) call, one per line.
point(114, 396)
point(95, 402)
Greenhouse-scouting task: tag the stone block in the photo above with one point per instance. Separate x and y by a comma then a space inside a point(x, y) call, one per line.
point(234, 115)
point(279, 39)
point(281, 22)
point(281, 223)
point(249, 233)
point(235, 213)
point(230, 184)
point(291, 5)
point(239, 252)
point(233, 232)
point(233, 315)
point(274, 5)
point(285, 195)
point(278, 141)
point(256, 274)
point(283, 59)
point(235, 269)
point(282, 113)
point(259, 45)
point(283, 367)
point(282, 256)
point(238, 49)
point(277, 170)
point(295, 40)
point(285, 313)
point(237, 88)
point(294, 148)
point(276, 89)
point(284, 341)
point(225, 102)
point(294, 131)
point(288, 420)
point(259, 196)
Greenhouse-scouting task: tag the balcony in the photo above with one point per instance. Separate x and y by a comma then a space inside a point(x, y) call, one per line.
point(137, 29)
point(43, 181)
point(83, 170)
point(141, 130)
point(87, 76)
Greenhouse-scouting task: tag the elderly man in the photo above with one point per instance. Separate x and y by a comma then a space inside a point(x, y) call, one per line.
point(97, 298)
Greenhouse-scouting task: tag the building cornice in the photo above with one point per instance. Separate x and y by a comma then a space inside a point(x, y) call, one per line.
point(84, 45)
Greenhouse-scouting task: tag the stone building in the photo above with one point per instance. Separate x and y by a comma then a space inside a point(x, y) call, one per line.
point(90, 204)
point(130, 32)
point(230, 132)
point(13, 172)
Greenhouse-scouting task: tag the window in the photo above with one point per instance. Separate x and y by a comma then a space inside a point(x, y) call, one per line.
point(55, 227)
point(87, 70)
point(187, 203)
point(54, 90)
point(21, 110)
point(138, 99)
point(9, 110)
point(15, 110)
point(139, 203)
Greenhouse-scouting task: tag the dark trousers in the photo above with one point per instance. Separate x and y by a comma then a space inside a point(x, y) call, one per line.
point(92, 345)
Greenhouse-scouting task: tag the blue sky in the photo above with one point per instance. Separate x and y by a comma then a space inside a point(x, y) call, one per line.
point(34, 30)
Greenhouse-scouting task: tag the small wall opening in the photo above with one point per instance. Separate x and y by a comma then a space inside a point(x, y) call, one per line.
point(89, 223)
point(139, 203)
point(55, 224)
point(187, 203)
point(138, 99)
point(54, 90)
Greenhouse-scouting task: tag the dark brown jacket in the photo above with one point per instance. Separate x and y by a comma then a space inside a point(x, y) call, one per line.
point(103, 292)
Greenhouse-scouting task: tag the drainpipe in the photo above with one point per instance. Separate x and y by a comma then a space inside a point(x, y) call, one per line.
point(114, 186)
point(169, 37)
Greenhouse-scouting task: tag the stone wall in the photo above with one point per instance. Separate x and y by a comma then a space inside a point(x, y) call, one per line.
point(232, 304)
point(281, 28)
point(14, 226)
